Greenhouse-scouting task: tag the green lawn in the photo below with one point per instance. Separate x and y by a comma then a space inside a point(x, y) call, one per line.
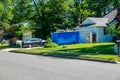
point(3, 46)
point(94, 50)
point(6, 45)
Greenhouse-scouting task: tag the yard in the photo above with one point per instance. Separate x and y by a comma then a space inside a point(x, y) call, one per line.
point(3, 46)
point(94, 50)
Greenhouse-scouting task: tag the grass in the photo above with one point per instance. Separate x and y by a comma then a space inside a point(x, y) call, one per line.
point(6, 45)
point(3, 46)
point(94, 50)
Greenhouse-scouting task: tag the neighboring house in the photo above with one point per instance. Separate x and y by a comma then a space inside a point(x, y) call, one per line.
point(93, 29)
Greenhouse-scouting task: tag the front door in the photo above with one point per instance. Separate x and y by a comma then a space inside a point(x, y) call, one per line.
point(93, 37)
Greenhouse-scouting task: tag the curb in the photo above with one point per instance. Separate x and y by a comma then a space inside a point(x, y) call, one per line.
point(79, 58)
point(99, 60)
point(117, 62)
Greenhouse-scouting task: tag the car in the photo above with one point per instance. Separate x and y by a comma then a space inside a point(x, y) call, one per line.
point(4, 41)
point(33, 42)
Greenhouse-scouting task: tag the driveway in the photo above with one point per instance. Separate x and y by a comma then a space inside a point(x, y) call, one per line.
point(15, 66)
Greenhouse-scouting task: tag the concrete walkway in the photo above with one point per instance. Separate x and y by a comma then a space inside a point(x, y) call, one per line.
point(10, 49)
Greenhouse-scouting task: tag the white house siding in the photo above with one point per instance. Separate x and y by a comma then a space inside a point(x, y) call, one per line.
point(102, 37)
point(84, 31)
point(93, 25)
point(100, 34)
point(108, 38)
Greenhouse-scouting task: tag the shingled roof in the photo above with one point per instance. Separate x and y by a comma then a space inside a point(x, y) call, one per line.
point(111, 15)
point(103, 21)
point(98, 22)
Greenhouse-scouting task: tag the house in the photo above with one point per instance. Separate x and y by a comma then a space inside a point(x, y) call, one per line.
point(111, 17)
point(93, 29)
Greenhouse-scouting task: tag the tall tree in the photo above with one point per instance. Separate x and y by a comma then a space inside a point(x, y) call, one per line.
point(50, 15)
point(80, 11)
point(6, 15)
point(6, 9)
point(100, 7)
point(23, 12)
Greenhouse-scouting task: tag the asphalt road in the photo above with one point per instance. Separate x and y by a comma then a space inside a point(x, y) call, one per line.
point(14, 66)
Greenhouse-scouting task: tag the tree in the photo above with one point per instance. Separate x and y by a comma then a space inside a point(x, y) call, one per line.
point(117, 26)
point(22, 29)
point(5, 16)
point(7, 11)
point(80, 11)
point(46, 16)
point(98, 6)
point(50, 15)
point(116, 3)
point(115, 29)
point(23, 11)
point(1, 9)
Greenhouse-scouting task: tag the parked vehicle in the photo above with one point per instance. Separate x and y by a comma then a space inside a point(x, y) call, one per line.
point(4, 41)
point(33, 42)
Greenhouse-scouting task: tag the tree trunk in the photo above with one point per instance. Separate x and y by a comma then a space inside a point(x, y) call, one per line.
point(118, 21)
point(118, 18)
point(1, 35)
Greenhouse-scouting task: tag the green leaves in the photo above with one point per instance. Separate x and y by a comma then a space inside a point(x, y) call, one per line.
point(1, 9)
point(23, 10)
point(46, 16)
point(113, 31)
point(50, 16)
point(80, 11)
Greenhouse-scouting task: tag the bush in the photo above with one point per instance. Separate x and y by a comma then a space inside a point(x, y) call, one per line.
point(16, 46)
point(50, 44)
point(49, 40)
point(64, 46)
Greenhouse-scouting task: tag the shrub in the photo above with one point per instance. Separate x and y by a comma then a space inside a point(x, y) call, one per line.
point(50, 44)
point(49, 40)
point(64, 46)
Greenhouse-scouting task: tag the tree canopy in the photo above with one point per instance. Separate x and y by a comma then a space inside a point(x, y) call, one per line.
point(46, 16)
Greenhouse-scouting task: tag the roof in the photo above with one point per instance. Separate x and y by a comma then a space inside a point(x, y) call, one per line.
point(111, 15)
point(86, 25)
point(98, 22)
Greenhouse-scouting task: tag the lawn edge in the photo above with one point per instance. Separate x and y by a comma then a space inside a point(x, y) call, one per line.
point(79, 58)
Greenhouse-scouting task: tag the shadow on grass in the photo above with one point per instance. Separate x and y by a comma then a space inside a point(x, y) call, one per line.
point(101, 52)
point(77, 52)
point(58, 54)
point(4, 47)
point(101, 49)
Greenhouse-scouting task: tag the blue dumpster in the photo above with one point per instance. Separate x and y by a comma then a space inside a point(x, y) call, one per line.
point(62, 38)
